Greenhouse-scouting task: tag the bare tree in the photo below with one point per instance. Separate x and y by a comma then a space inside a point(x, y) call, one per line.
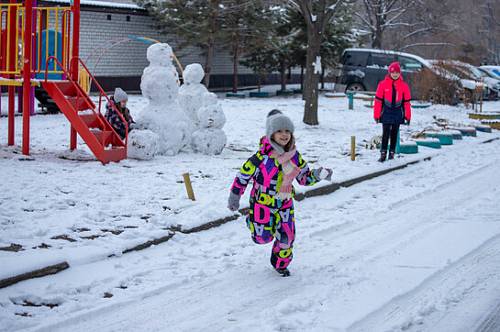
point(413, 18)
point(317, 14)
point(491, 30)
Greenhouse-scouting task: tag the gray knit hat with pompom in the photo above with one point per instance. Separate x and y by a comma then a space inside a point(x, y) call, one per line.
point(275, 121)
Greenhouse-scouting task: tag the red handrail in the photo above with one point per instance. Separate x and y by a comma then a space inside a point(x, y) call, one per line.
point(84, 95)
point(101, 94)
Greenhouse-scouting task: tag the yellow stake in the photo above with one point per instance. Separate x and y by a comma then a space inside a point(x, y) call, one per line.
point(189, 187)
point(353, 148)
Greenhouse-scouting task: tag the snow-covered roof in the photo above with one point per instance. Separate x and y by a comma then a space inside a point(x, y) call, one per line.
point(123, 4)
point(374, 50)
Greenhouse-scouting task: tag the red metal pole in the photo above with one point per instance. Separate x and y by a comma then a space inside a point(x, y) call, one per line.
point(12, 58)
point(11, 130)
point(74, 60)
point(28, 57)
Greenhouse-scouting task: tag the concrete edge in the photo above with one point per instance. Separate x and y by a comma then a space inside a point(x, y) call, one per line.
point(348, 183)
point(45, 271)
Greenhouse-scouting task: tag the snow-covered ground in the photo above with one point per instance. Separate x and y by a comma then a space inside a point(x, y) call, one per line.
point(404, 251)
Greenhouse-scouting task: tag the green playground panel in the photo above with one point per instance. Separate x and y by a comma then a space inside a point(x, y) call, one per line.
point(284, 92)
point(421, 106)
point(484, 116)
point(434, 144)
point(467, 131)
point(408, 148)
point(456, 134)
point(484, 129)
point(444, 138)
point(235, 95)
point(259, 94)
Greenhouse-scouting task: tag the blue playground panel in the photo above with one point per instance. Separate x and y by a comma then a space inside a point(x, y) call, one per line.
point(51, 35)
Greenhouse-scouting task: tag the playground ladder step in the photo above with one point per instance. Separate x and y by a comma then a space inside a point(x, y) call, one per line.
point(90, 125)
point(105, 137)
point(80, 104)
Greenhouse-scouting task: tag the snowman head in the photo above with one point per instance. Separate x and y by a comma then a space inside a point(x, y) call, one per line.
point(160, 54)
point(193, 73)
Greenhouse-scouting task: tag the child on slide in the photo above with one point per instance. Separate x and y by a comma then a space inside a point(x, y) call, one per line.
point(273, 169)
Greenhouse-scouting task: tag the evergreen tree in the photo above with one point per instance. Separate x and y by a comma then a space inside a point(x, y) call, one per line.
point(244, 25)
point(194, 23)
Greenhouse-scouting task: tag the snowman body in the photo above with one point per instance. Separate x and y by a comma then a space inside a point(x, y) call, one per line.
point(209, 138)
point(163, 114)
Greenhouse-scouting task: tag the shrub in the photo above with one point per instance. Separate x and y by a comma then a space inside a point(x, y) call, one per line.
point(436, 87)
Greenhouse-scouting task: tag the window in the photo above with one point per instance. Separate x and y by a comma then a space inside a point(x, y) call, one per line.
point(380, 60)
point(128, 18)
point(409, 64)
point(356, 59)
point(109, 17)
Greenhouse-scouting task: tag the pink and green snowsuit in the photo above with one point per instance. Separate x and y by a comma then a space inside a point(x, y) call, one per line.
point(271, 218)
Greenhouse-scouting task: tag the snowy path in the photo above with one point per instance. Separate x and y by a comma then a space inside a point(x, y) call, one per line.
point(400, 251)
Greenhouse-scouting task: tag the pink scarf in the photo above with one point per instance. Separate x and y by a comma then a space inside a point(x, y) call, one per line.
point(290, 172)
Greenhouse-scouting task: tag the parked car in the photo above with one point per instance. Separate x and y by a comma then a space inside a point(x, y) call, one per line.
point(492, 71)
point(362, 69)
point(493, 84)
point(470, 79)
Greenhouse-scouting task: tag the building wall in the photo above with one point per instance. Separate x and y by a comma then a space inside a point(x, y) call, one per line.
point(116, 60)
point(112, 56)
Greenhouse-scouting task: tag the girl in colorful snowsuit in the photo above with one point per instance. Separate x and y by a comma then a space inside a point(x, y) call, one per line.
point(273, 169)
point(392, 108)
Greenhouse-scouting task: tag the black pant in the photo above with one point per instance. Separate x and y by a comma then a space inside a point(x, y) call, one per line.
point(392, 131)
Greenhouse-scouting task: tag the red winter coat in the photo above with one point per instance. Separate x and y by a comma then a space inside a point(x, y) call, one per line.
point(392, 101)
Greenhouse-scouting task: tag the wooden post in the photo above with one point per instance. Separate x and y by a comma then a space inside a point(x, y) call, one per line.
point(353, 148)
point(481, 101)
point(189, 187)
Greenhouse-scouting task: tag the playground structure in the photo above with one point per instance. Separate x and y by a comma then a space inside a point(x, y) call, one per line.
point(39, 46)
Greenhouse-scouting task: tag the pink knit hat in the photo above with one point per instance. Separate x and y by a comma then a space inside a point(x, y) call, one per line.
point(394, 68)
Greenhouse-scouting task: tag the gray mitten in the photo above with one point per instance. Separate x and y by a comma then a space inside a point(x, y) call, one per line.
point(233, 203)
point(323, 174)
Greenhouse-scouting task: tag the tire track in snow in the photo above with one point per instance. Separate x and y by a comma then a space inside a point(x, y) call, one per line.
point(439, 292)
point(260, 289)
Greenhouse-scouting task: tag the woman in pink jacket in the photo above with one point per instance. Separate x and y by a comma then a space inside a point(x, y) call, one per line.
point(392, 108)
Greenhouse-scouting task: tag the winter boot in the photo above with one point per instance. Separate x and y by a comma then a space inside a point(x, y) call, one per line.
point(391, 155)
point(284, 272)
point(383, 155)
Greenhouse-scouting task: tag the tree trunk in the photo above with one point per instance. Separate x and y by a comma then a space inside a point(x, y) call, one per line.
point(302, 78)
point(322, 77)
point(377, 38)
point(283, 75)
point(312, 78)
point(236, 57)
point(208, 63)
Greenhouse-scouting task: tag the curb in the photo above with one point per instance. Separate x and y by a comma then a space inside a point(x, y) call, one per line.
point(48, 270)
point(336, 186)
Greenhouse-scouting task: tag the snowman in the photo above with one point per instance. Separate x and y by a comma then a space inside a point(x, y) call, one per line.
point(209, 138)
point(192, 91)
point(163, 115)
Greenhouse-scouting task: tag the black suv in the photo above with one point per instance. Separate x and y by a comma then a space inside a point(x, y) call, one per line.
point(362, 69)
